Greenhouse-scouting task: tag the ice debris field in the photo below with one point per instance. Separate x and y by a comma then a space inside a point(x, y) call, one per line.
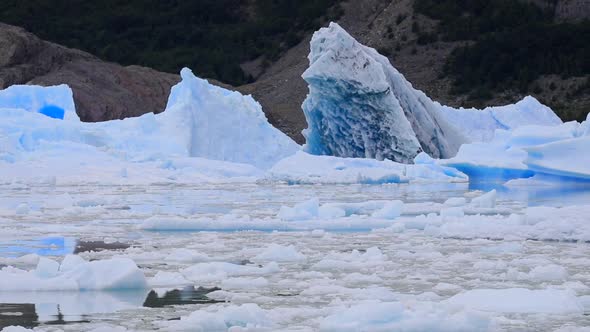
point(398, 214)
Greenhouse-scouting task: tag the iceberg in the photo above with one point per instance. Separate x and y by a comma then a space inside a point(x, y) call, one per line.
point(206, 134)
point(556, 152)
point(205, 131)
point(360, 106)
point(567, 158)
point(74, 274)
point(53, 101)
point(480, 125)
point(223, 125)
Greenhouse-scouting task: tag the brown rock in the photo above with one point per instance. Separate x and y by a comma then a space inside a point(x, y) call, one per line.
point(102, 90)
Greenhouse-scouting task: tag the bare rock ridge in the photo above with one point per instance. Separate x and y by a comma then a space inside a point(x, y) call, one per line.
point(102, 90)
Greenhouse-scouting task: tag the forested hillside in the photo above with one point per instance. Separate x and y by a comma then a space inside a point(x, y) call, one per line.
point(507, 45)
point(460, 52)
point(211, 36)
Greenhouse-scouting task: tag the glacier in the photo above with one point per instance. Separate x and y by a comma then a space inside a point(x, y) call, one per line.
point(360, 106)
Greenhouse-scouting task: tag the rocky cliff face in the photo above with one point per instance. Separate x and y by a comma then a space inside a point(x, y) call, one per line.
point(102, 90)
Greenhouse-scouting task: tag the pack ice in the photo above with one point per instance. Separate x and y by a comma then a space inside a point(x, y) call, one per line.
point(360, 106)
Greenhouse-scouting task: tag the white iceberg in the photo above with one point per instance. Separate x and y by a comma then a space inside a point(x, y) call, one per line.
point(223, 125)
point(480, 125)
point(74, 274)
point(360, 106)
point(54, 101)
point(559, 152)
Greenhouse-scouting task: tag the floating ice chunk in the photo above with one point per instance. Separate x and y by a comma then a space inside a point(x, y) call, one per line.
point(54, 101)
point(279, 253)
point(456, 201)
point(216, 271)
point(558, 151)
point(351, 261)
point(246, 315)
point(446, 287)
point(244, 283)
point(168, 279)
point(227, 222)
point(550, 272)
point(304, 168)
point(393, 316)
point(301, 211)
point(566, 158)
point(116, 273)
point(519, 300)
point(15, 329)
point(480, 125)
point(47, 268)
point(390, 210)
point(186, 256)
point(487, 200)
point(328, 211)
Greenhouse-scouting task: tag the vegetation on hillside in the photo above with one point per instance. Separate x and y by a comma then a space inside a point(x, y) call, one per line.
point(508, 44)
point(211, 36)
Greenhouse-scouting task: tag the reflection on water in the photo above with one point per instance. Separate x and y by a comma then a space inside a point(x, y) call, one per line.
point(86, 246)
point(187, 295)
point(30, 309)
point(65, 307)
point(18, 314)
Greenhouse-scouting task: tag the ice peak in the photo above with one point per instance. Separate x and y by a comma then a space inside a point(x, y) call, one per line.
point(360, 106)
